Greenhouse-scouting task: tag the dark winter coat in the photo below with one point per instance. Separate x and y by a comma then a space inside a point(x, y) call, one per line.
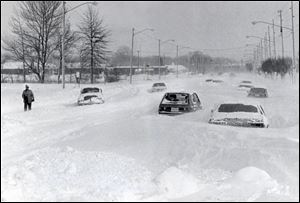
point(27, 96)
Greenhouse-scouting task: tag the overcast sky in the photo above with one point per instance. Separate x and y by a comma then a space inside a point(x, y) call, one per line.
point(199, 25)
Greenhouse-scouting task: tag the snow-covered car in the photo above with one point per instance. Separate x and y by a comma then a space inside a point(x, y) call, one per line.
point(246, 82)
point(90, 95)
point(258, 92)
point(246, 87)
point(157, 87)
point(179, 102)
point(239, 114)
point(217, 81)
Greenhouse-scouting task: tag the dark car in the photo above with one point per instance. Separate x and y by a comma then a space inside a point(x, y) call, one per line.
point(258, 92)
point(209, 80)
point(246, 82)
point(179, 102)
point(217, 81)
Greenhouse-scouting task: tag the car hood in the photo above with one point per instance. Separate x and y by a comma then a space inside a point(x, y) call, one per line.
point(236, 115)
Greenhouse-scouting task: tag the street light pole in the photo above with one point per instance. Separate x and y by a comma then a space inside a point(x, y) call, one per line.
point(63, 45)
point(131, 56)
point(274, 43)
point(159, 59)
point(177, 61)
point(281, 33)
point(293, 38)
point(132, 40)
point(269, 39)
point(63, 36)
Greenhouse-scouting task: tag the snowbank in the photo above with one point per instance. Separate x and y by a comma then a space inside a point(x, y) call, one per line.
point(56, 174)
point(175, 183)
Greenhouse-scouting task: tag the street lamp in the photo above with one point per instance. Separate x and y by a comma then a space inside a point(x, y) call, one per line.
point(63, 35)
point(132, 40)
point(257, 22)
point(159, 44)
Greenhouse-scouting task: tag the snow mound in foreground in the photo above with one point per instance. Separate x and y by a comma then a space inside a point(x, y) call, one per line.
point(250, 184)
point(66, 175)
point(175, 183)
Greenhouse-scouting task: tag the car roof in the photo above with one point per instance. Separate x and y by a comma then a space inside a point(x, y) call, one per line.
point(254, 103)
point(183, 92)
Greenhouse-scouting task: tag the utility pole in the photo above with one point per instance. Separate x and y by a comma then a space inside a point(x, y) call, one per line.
point(177, 60)
point(261, 51)
point(266, 46)
point(293, 36)
point(63, 45)
point(269, 40)
point(138, 52)
point(274, 43)
point(281, 33)
point(131, 56)
point(159, 59)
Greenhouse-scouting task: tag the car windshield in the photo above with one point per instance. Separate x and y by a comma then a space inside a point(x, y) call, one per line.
point(90, 90)
point(159, 85)
point(230, 108)
point(258, 90)
point(176, 98)
point(246, 81)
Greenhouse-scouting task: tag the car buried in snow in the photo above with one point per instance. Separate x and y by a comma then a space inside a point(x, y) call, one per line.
point(239, 114)
point(258, 92)
point(217, 81)
point(244, 87)
point(158, 87)
point(90, 95)
point(179, 102)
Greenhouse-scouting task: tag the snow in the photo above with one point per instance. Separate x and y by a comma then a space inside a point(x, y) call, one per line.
point(123, 150)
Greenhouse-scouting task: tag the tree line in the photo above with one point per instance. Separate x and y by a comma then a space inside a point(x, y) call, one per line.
point(37, 37)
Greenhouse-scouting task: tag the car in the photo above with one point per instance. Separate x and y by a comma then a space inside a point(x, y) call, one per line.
point(157, 87)
point(258, 92)
point(209, 80)
point(179, 102)
point(246, 82)
point(245, 87)
point(217, 81)
point(90, 95)
point(241, 114)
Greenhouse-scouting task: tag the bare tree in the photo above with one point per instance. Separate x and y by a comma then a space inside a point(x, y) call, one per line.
point(34, 33)
point(94, 40)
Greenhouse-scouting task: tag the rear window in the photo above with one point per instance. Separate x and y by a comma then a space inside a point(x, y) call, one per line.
point(176, 98)
point(90, 90)
point(258, 90)
point(159, 84)
point(230, 108)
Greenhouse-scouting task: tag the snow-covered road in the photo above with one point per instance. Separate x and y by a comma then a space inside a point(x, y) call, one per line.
point(123, 150)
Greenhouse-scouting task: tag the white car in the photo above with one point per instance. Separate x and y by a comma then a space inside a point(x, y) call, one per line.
point(239, 114)
point(90, 95)
point(244, 87)
point(158, 87)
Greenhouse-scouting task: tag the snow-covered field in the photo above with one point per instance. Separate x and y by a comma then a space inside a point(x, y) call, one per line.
point(123, 150)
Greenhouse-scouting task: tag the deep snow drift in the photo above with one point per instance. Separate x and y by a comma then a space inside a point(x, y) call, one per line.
point(123, 150)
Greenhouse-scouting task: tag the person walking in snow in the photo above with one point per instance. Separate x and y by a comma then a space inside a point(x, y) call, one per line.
point(28, 98)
